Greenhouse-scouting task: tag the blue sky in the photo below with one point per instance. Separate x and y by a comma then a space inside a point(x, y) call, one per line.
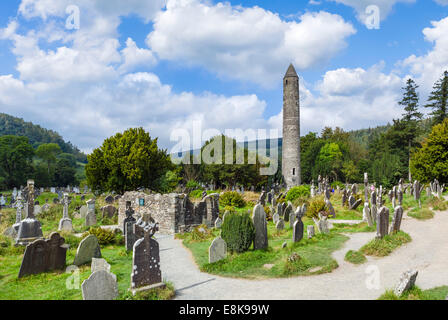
point(164, 64)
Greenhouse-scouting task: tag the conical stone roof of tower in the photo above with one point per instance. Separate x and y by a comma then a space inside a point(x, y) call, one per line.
point(291, 72)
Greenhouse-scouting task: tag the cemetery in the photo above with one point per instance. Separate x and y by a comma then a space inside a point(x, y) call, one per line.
point(194, 163)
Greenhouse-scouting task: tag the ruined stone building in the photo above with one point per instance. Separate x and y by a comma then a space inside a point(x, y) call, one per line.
point(174, 212)
point(291, 129)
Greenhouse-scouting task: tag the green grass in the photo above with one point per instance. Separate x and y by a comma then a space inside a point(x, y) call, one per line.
point(349, 228)
point(421, 213)
point(355, 257)
point(314, 253)
point(415, 293)
point(383, 247)
point(52, 285)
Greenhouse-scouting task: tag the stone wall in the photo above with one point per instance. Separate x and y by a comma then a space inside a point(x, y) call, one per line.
point(174, 212)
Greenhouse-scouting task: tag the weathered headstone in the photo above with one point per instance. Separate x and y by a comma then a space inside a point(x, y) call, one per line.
point(396, 220)
point(280, 225)
point(109, 211)
point(407, 281)
point(217, 250)
point(297, 229)
point(287, 213)
point(99, 264)
point(83, 211)
point(30, 228)
point(146, 271)
point(310, 231)
point(382, 224)
point(88, 248)
point(367, 215)
point(261, 231)
point(218, 223)
point(101, 285)
point(44, 255)
point(65, 224)
point(275, 218)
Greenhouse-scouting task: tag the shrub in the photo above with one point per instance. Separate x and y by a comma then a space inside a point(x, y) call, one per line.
point(196, 194)
point(191, 184)
point(295, 264)
point(238, 232)
point(232, 198)
point(296, 192)
point(104, 236)
point(316, 206)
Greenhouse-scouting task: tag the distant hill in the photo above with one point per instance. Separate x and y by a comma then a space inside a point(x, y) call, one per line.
point(37, 135)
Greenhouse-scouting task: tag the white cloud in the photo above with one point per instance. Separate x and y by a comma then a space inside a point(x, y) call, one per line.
point(134, 57)
point(442, 2)
point(429, 68)
point(250, 44)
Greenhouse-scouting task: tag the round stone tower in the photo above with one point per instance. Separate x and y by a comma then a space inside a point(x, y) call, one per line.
point(291, 129)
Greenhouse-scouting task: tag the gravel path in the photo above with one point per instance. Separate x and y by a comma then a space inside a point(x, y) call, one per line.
point(427, 253)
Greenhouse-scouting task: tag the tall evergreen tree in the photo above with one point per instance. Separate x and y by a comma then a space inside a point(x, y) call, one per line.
point(438, 99)
point(411, 116)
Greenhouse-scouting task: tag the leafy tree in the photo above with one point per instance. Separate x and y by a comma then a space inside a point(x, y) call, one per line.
point(64, 173)
point(431, 160)
point(438, 99)
point(128, 161)
point(48, 152)
point(16, 156)
point(350, 171)
point(329, 160)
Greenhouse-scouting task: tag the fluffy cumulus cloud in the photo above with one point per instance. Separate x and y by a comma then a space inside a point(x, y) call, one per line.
point(429, 68)
point(250, 44)
point(84, 83)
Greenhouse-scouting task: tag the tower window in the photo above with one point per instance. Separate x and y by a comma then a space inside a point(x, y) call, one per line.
point(293, 171)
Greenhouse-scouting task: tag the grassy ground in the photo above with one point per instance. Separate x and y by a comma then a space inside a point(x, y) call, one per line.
point(355, 257)
point(52, 285)
point(415, 293)
point(421, 213)
point(315, 255)
point(383, 247)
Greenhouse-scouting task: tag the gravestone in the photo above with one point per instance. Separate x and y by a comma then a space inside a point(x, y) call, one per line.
point(44, 255)
point(90, 219)
point(330, 208)
point(109, 199)
point(382, 224)
point(287, 213)
point(280, 209)
point(275, 218)
point(109, 211)
point(297, 229)
point(128, 227)
point(366, 216)
point(65, 224)
point(99, 264)
point(261, 231)
point(262, 199)
point(322, 224)
point(396, 220)
point(280, 225)
point(146, 272)
point(218, 223)
point(310, 232)
point(217, 250)
point(83, 211)
point(101, 285)
point(88, 248)
point(30, 229)
point(37, 210)
point(407, 281)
